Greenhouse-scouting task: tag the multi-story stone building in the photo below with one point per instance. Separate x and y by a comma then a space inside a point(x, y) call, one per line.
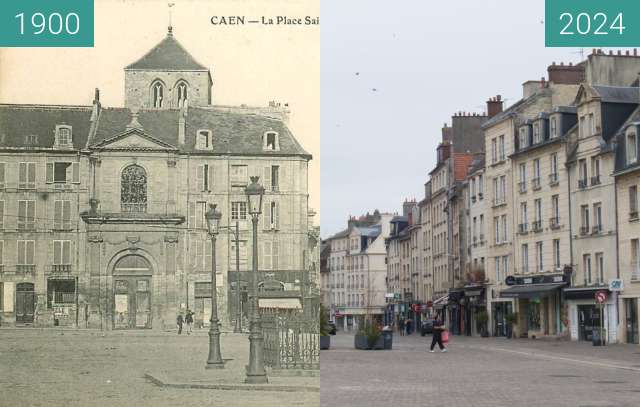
point(627, 178)
point(358, 271)
point(103, 208)
point(425, 256)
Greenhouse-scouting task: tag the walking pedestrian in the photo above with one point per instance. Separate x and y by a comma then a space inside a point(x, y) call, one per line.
point(189, 321)
point(179, 322)
point(438, 329)
point(408, 325)
point(401, 325)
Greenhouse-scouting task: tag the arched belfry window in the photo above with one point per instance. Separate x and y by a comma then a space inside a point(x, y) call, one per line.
point(157, 94)
point(133, 189)
point(182, 90)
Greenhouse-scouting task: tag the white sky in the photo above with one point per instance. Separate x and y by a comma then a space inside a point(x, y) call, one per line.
point(426, 60)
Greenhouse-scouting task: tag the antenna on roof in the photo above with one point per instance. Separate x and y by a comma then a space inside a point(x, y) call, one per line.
point(581, 53)
point(170, 5)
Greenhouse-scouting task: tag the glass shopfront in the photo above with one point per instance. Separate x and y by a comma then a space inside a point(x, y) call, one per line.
point(588, 320)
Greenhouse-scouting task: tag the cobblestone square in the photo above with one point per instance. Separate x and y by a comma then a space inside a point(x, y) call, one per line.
point(49, 367)
point(480, 372)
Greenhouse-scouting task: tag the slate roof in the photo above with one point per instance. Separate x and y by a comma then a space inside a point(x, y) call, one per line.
point(617, 94)
point(515, 108)
point(233, 133)
point(372, 231)
point(620, 147)
point(18, 121)
point(170, 55)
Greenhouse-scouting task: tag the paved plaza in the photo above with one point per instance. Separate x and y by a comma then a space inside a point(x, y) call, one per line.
point(478, 372)
point(54, 367)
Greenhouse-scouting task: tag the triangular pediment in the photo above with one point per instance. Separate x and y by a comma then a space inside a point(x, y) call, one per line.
point(585, 93)
point(132, 140)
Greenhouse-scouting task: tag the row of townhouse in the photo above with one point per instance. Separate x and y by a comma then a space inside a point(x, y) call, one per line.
point(530, 211)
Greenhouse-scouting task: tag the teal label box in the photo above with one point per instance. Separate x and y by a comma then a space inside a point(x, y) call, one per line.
point(592, 23)
point(46, 23)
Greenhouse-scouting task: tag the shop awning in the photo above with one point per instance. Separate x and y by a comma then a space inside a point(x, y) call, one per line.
point(530, 290)
point(441, 302)
point(280, 303)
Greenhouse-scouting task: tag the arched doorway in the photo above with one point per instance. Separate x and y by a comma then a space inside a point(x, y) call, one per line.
point(132, 278)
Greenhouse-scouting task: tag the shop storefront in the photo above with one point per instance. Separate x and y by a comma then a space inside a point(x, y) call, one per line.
point(474, 303)
point(585, 315)
point(630, 308)
point(456, 311)
point(499, 311)
point(538, 303)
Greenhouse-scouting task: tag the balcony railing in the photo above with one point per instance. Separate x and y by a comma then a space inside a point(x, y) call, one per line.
point(635, 273)
point(25, 268)
point(595, 180)
point(596, 229)
point(133, 207)
point(553, 178)
point(481, 238)
point(536, 225)
point(554, 223)
point(633, 215)
point(582, 183)
point(523, 228)
point(535, 183)
point(59, 268)
point(480, 195)
point(473, 199)
point(584, 230)
point(522, 186)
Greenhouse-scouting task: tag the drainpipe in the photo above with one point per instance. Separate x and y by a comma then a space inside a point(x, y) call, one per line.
point(567, 167)
point(615, 211)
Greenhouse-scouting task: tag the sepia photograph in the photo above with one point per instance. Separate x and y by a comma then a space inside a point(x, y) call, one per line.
point(159, 209)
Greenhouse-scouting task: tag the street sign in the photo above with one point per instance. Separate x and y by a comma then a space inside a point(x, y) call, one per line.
point(601, 297)
point(616, 284)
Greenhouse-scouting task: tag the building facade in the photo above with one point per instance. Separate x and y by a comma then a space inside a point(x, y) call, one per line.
point(109, 230)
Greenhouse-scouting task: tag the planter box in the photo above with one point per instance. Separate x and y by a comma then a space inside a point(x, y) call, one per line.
point(361, 342)
point(325, 342)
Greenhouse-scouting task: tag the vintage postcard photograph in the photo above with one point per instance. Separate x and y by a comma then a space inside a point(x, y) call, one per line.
point(159, 204)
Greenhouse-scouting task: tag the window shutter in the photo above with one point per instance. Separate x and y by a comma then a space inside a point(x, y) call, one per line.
point(274, 255)
point(266, 181)
point(1, 220)
point(57, 214)
point(30, 251)
point(2, 175)
point(22, 175)
point(56, 252)
point(32, 175)
point(200, 178)
point(66, 214)
point(266, 256)
point(21, 251)
point(210, 186)
point(31, 212)
point(66, 252)
point(192, 215)
point(75, 170)
point(281, 178)
point(276, 215)
point(266, 218)
point(49, 174)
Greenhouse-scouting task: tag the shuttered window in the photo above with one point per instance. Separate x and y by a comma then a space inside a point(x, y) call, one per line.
point(27, 175)
point(61, 252)
point(26, 214)
point(62, 215)
point(26, 252)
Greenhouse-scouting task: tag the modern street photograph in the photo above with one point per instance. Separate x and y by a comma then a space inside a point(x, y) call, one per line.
point(480, 230)
point(159, 210)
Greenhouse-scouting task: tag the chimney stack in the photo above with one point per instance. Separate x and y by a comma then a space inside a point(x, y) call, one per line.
point(494, 106)
point(566, 74)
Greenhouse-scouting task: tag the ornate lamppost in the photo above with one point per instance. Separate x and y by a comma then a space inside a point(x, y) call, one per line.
point(255, 371)
point(215, 357)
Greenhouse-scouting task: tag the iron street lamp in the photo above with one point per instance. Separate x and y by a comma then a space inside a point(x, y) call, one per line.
point(215, 357)
point(255, 370)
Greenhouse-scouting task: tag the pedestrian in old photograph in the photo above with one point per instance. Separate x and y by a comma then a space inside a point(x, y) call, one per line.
point(179, 322)
point(189, 320)
point(400, 323)
point(438, 330)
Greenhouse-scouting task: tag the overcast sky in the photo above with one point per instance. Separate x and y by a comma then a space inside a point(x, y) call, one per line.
point(393, 72)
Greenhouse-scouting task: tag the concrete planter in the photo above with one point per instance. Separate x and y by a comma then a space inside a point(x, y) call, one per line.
point(361, 342)
point(325, 342)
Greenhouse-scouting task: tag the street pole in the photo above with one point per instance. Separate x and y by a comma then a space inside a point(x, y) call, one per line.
point(215, 357)
point(255, 371)
point(238, 327)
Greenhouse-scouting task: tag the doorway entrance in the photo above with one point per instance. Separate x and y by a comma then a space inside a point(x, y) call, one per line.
point(588, 320)
point(25, 303)
point(132, 293)
point(631, 313)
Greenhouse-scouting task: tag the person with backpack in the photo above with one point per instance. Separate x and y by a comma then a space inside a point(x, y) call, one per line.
point(438, 329)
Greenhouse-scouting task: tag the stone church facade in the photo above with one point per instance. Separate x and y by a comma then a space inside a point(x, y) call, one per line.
point(102, 208)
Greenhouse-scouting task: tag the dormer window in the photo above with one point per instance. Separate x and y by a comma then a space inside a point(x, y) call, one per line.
point(157, 94)
point(536, 133)
point(632, 147)
point(270, 141)
point(524, 142)
point(63, 136)
point(31, 139)
point(554, 127)
point(182, 93)
point(204, 140)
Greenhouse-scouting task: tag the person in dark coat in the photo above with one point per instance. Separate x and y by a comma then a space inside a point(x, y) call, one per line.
point(179, 322)
point(438, 328)
point(401, 325)
point(189, 320)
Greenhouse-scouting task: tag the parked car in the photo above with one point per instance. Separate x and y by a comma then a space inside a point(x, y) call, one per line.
point(427, 327)
point(332, 328)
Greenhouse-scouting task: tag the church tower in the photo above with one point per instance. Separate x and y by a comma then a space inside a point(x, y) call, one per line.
point(167, 77)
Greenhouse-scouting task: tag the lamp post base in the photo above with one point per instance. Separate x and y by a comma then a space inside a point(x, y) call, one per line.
point(256, 379)
point(218, 365)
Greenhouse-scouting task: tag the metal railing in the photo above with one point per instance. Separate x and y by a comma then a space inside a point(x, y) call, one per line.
point(582, 183)
point(291, 339)
point(595, 180)
point(584, 230)
point(553, 178)
point(596, 229)
point(536, 225)
point(535, 183)
point(554, 222)
point(133, 207)
point(522, 186)
point(523, 228)
point(25, 268)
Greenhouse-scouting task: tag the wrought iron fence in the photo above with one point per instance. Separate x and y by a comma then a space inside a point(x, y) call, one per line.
point(291, 339)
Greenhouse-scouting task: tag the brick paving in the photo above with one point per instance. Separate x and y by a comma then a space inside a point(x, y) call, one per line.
point(481, 372)
point(54, 367)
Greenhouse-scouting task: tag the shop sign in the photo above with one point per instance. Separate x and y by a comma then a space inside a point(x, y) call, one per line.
point(616, 284)
point(389, 295)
